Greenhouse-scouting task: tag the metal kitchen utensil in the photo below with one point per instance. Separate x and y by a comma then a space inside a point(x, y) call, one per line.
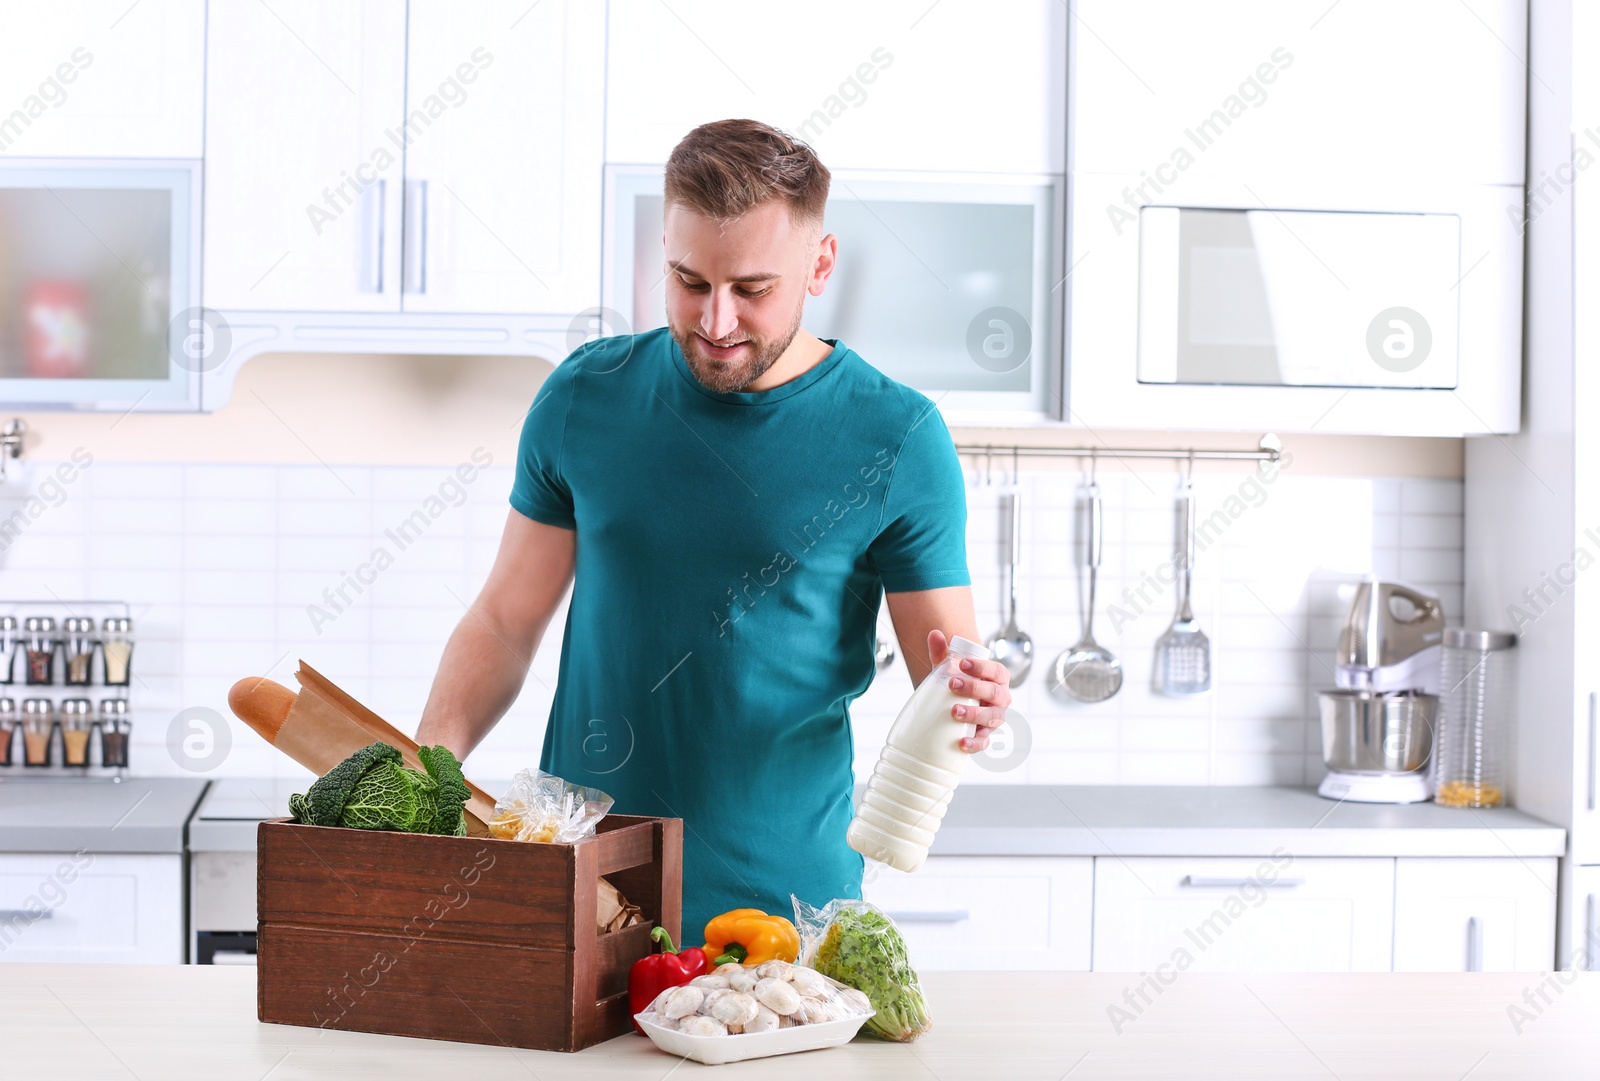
point(1183, 654)
point(1087, 672)
point(1010, 646)
point(883, 653)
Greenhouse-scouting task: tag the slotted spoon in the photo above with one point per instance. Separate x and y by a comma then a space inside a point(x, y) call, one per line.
point(1087, 672)
point(1183, 654)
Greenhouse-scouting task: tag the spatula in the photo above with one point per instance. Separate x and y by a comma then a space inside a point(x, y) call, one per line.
point(1183, 654)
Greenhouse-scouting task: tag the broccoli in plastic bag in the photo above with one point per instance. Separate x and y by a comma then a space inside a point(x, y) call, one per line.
point(855, 943)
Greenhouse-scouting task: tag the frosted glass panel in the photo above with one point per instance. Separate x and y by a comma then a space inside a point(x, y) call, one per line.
point(85, 282)
point(942, 293)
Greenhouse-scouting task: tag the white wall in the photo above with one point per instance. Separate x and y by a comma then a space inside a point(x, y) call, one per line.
point(221, 557)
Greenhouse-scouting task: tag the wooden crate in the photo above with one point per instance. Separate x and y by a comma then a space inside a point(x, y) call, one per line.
point(458, 938)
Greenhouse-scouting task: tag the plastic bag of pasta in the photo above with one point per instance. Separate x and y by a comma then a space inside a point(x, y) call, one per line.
point(540, 806)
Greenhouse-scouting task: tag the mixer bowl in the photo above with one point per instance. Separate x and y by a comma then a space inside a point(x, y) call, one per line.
point(1363, 732)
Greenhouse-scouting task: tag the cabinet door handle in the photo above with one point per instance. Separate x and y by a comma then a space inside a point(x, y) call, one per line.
point(1594, 751)
point(1590, 930)
point(25, 914)
point(1474, 945)
point(1207, 882)
point(374, 204)
point(416, 239)
point(946, 915)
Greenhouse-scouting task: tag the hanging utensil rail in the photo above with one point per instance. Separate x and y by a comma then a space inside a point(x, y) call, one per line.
point(1270, 449)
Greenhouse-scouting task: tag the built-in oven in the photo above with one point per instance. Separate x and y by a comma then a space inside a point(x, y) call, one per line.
point(1297, 298)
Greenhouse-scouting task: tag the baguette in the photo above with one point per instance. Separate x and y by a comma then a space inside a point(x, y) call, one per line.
point(322, 726)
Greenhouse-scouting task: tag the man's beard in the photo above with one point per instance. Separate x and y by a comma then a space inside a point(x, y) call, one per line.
point(729, 377)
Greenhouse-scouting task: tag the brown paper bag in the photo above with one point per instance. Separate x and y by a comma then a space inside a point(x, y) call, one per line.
point(613, 911)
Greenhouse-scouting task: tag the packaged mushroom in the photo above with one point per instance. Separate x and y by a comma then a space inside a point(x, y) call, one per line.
point(737, 1000)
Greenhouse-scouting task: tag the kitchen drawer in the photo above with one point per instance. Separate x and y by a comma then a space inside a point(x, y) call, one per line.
point(88, 907)
point(1243, 914)
point(992, 912)
point(1474, 915)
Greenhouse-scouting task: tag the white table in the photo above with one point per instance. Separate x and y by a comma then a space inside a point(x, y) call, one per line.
point(161, 1023)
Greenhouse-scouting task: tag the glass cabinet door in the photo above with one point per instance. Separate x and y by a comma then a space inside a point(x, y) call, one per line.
point(944, 286)
point(97, 280)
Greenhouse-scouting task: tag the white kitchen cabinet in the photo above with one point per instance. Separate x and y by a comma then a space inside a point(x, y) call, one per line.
point(89, 907)
point(1280, 108)
point(385, 157)
point(304, 156)
point(1585, 954)
point(1586, 748)
point(1320, 91)
point(1532, 514)
point(102, 78)
point(961, 85)
point(1474, 915)
point(503, 188)
point(1243, 914)
point(992, 912)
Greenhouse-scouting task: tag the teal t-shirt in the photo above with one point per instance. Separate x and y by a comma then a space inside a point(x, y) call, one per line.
point(732, 551)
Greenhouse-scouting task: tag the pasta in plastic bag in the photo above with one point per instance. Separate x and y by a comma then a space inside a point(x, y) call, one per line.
point(540, 806)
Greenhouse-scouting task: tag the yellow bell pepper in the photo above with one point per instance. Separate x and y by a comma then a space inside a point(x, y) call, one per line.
point(750, 936)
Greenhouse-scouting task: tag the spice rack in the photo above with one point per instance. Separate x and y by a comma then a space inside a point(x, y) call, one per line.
point(65, 667)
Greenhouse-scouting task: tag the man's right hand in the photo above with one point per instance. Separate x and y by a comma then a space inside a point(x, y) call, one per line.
point(487, 658)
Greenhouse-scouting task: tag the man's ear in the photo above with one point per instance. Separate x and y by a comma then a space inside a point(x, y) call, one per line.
point(822, 269)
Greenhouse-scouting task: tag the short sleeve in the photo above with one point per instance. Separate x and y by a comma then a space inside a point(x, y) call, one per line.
point(922, 540)
point(540, 490)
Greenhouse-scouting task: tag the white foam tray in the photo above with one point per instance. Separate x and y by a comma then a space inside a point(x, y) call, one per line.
point(717, 1050)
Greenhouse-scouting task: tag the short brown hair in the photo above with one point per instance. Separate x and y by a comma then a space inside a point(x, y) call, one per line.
point(728, 167)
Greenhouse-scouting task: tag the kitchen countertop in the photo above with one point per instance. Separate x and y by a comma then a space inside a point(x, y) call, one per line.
point(1200, 820)
point(177, 1023)
point(1097, 820)
point(67, 814)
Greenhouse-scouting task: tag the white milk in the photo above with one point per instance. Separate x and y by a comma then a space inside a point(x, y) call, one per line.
point(918, 771)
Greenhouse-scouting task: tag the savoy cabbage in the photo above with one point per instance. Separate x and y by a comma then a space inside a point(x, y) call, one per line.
point(374, 790)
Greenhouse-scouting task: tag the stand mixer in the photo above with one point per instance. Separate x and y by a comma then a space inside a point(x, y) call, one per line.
point(1378, 725)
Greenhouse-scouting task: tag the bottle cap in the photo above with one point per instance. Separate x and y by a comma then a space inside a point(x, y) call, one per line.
point(966, 647)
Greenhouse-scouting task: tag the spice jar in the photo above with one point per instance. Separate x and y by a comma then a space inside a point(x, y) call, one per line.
point(1477, 670)
point(114, 732)
point(8, 648)
point(77, 645)
point(38, 726)
point(8, 728)
point(116, 646)
point(77, 717)
point(39, 642)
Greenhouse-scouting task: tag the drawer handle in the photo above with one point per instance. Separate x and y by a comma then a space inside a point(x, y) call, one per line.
point(1207, 882)
point(24, 914)
point(1474, 945)
point(945, 915)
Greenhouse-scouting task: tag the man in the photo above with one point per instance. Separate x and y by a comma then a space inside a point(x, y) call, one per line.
point(728, 498)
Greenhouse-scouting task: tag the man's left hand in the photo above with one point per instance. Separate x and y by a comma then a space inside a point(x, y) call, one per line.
point(987, 681)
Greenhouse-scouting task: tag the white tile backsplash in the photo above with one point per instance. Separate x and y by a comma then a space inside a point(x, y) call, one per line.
point(222, 565)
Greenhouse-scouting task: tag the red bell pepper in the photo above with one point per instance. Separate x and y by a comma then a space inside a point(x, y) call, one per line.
point(652, 975)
